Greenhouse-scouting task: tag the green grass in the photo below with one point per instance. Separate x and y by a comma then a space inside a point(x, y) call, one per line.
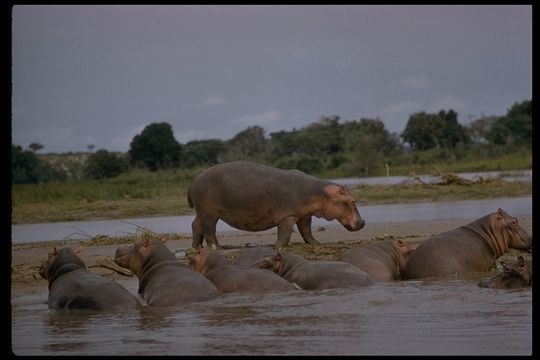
point(164, 193)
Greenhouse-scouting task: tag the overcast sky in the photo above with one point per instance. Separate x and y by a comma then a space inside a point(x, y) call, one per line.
point(99, 74)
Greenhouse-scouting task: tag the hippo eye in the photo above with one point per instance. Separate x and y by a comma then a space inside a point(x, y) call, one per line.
point(514, 222)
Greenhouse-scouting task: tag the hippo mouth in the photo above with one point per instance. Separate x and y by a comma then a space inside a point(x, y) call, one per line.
point(359, 225)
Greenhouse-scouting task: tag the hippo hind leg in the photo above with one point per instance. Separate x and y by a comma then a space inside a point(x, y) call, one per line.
point(197, 231)
point(304, 226)
point(209, 232)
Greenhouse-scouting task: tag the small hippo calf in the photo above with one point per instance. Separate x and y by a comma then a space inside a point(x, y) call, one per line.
point(255, 197)
point(315, 275)
point(383, 260)
point(470, 248)
point(514, 276)
point(232, 278)
point(163, 280)
point(72, 286)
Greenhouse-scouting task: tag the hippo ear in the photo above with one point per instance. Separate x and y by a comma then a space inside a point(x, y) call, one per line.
point(521, 261)
point(163, 238)
point(500, 213)
point(55, 252)
point(342, 190)
point(401, 243)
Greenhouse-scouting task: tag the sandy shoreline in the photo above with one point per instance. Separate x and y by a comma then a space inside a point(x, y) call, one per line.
point(27, 258)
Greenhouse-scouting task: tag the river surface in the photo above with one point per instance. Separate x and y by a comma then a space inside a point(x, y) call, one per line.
point(85, 230)
point(452, 317)
point(419, 317)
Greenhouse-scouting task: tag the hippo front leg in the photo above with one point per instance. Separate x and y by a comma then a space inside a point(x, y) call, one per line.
point(284, 231)
point(304, 226)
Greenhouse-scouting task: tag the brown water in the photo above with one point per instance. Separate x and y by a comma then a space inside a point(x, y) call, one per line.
point(452, 317)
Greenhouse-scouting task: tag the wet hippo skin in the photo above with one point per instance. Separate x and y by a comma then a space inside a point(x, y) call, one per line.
point(470, 248)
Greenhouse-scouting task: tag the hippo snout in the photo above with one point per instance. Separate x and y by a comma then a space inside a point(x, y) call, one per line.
point(356, 226)
point(121, 255)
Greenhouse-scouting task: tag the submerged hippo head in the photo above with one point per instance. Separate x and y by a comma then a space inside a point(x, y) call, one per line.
point(58, 258)
point(515, 275)
point(135, 257)
point(272, 263)
point(403, 250)
point(339, 204)
point(507, 227)
point(205, 259)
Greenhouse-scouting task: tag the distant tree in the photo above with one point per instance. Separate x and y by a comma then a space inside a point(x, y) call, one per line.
point(452, 132)
point(104, 164)
point(478, 129)
point(27, 168)
point(202, 152)
point(90, 147)
point(35, 147)
point(155, 147)
point(423, 131)
point(248, 143)
point(515, 127)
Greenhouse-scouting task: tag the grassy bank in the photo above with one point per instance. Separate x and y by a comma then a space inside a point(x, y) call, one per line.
point(162, 194)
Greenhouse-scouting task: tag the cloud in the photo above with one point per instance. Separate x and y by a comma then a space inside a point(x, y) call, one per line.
point(262, 119)
point(416, 82)
point(401, 107)
point(122, 141)
point(191, 134)
point(212, 100)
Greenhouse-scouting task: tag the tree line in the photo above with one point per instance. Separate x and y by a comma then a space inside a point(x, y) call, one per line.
point(359, 147)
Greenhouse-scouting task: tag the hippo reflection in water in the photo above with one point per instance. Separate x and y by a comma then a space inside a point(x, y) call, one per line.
point(470, 248)
point(72, 286)
point(515, 275)
point(255, 197)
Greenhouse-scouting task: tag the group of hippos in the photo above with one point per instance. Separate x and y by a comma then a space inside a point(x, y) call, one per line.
point(256, 197)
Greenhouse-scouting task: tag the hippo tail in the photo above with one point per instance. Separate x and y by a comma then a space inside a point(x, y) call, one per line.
point(190, 202)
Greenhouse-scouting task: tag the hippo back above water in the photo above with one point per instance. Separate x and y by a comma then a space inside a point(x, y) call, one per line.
point(230, 278)
point(315, 275)
point(255, 197)
point(163, 280)
point(383, 260)
point(470, 248)
point(72, 286)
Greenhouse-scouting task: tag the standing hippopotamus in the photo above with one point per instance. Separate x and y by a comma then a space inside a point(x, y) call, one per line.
point(163, 280)
point(72, 286)
point(315, 275)
point(515, 275)
point(254, 197)
point(233, 278)
point(470, 248)
point(383, 260)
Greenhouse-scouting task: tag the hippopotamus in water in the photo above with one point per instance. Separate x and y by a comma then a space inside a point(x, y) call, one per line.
point(470, 248)
point(72, 286)
point(250, 256)
point(163, 280)
point(233, 278)
point(515, 275)
point(255, 197)
point(383, 260)
point(315, 275)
